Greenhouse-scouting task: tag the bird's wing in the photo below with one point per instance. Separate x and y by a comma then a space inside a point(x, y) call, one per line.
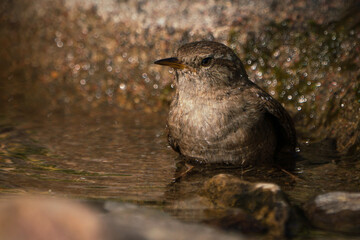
point(280, 117)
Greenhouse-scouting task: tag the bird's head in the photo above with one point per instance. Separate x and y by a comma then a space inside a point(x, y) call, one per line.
point(206, 64)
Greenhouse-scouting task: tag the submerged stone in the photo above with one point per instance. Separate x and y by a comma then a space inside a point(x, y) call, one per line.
point(135, 222)
point(335, 211)
point(264, 201)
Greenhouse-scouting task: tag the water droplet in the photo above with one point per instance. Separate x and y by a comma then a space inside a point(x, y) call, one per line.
point(59, 44)
point(77, 67)
point(259, 74)
point(109, 68)
point(342, 105)
point(289, 97)
point(262, 62)
point(86, 66)
point(155, 86)
point(276, 53)
point(122, 86)
point(297, 149)
point(253, 67)
point(249, 62)
point(69, 56)
point(109, 92)
point(299, 108)
point(144, 75)
point(338, 69)
point(302, 99)
point(82, 81)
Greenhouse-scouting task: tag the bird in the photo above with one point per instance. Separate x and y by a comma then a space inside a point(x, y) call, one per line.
point(219, 116)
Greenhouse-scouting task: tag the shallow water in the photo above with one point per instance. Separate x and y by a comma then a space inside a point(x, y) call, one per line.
point(121, 156)
point(125, 156)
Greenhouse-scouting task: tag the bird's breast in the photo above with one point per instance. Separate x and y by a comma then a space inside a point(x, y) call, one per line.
point(220, 130)
point(204, 119)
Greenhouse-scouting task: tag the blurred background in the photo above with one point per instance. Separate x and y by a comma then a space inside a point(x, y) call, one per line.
point(63, 56)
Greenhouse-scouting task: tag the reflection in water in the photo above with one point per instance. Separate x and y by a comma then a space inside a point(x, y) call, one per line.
point(125, 156)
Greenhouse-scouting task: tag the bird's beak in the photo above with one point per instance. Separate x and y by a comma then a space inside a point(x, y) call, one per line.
point(171, 62)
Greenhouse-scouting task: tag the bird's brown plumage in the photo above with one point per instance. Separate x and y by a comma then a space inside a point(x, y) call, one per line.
point(218, 115)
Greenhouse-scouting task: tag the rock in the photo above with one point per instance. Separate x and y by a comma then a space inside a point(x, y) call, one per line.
point(335, 211)
point(264, 201)
point(135, 222)
point(236, 219)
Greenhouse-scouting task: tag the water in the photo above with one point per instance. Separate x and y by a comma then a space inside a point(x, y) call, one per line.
point(124, 156)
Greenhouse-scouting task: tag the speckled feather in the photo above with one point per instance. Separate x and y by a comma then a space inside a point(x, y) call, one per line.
point(219, 116)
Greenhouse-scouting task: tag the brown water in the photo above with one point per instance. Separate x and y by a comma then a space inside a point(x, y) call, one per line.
point(125, 156)
point(122, 156)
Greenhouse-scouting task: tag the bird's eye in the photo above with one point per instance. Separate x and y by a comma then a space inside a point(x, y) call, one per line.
point(206, 61)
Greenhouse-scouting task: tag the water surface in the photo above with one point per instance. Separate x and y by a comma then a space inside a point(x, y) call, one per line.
point(124, 156)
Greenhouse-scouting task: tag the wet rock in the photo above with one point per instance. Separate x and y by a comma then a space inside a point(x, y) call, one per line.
point(264, 201)
point(142, 223)
point(335, 211)
point(238, 220)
